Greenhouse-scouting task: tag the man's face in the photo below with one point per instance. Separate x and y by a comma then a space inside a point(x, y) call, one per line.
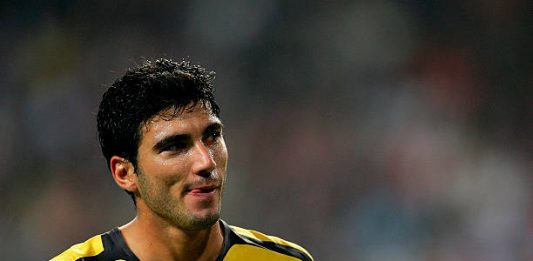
point(182, 167)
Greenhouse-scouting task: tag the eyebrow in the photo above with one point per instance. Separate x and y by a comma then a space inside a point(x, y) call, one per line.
point(171, 140)
point(184, 138)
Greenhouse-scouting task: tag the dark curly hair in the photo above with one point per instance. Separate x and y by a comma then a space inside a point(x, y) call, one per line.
point(144, 92)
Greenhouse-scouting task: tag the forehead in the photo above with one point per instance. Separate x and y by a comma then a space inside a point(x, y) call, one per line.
point(173, 121)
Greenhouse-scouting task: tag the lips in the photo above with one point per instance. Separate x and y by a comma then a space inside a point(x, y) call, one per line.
point(203, 189)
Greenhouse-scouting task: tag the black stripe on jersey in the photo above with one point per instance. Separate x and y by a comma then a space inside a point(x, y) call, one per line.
point(229, 237)
point(114, 248)
point(232, 238)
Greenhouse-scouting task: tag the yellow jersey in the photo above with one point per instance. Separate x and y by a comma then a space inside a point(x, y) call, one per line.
point(239, 244)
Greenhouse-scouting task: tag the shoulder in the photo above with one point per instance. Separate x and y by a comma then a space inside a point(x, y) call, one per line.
point(271, 243)
point(107, 246)
point(92, 247)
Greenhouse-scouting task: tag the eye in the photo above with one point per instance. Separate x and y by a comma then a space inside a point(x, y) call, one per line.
point(213, 136)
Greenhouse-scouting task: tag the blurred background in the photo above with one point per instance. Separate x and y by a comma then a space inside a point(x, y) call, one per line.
point(362, 130)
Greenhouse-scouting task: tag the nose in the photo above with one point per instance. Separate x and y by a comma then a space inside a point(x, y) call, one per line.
point(204, 163)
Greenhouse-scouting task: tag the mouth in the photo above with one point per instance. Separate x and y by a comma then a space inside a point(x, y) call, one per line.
point(203, 190)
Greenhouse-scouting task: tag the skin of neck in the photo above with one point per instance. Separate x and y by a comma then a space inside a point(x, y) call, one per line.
point(151, 237)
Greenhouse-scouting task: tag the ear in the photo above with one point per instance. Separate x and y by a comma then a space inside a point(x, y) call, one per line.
point(123, 173)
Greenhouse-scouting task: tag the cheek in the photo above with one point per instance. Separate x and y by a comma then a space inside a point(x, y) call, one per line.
point(165, 173)
point(221, 156)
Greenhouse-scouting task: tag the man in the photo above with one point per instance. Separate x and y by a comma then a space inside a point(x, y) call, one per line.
point(161, 135)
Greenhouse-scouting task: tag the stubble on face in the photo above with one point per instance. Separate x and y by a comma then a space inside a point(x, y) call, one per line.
point(166, 195)
point(162, 202)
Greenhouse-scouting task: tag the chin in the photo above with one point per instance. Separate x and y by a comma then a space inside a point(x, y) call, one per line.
point(200, 222)
point(204, 211)
point(207, 214)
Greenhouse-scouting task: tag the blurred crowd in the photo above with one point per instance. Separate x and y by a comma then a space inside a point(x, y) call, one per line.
point(362, 130)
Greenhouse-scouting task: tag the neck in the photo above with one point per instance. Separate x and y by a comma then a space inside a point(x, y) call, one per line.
point(152, 238)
